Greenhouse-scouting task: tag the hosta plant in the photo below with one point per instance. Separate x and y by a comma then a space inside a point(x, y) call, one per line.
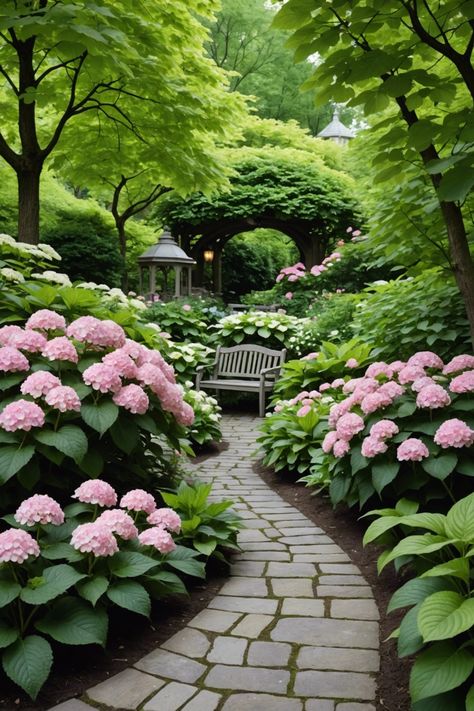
point(62, 569)
point(186, 357)
point(207, 416)
point(82, 400)
point(438, 628)
point(272, 330)
point(180, 320)
point(404, 429)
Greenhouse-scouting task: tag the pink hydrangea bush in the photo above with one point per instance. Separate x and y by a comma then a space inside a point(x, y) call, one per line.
point(408, 431)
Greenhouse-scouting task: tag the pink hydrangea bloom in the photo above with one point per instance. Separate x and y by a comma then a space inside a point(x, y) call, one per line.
point(95, 538)
point(102, 377)
point(310, 356)
point(186, 307)
point(167, 518)
point(289, 295)
point(28, 340)
point(133, 398)
point(185, 416)
point(94, 331)
point(279, 278)
point(8, 332)
point(375, 401)
point(21, 415)
point(426, 359)
point(278, 408)
point(121, 362)
point(412, 450)
point(463, 383)
point(460, 362)
point(454, 433)
point(338, 383)
point(12, 360)
point(339, 410)
point(421, 383)
point(351, 385)
point(303, 411)
point(349, 425)
point(159, 538)
point(366, 386)
point(46, 320)
point(324, 386)
point(151, 375)
point(397, 365)
point(410, 373)
point(17, 545)
point(138, 500)
point(371, 446)
point(119, 522)
point(133, 349)
point(328, 441)
point(433, 396)
point(384, 429)
point(96, 491)
point(379, 368)
point(391, 389)
point(39, 508)
point(341, 448)
point(60, 348)
point(170, 396)
point(64, 399)
point(352, 363)
point(39, 383)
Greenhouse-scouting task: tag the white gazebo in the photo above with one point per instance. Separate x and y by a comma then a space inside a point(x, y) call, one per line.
point(164, 256)
point(336, 130)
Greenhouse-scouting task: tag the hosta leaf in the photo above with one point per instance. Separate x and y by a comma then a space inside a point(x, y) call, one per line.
point(432, 521)
point(380, 526)
point(460, 519)
point(54, 582)
point(74, 621)
point(130, 595)
point(28, 663)
point(415, 591)
point(458, 568)
point(417, 545)
point(442, 667)
point(409, 637)
point(470, 699)
point(445, 614)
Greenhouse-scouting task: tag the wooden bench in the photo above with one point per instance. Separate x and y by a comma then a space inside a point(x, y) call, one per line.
point(246, 368)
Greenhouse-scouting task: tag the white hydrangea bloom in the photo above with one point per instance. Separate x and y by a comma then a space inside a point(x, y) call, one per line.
point(12, 275)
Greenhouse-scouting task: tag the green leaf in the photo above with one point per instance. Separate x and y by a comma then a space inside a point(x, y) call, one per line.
point(442, 667)
point(9, 590)
point(54, 582)
point(190, 567)
point(101, 416)
point(205, 547)
point(383, 474)
point(457, 568)
point(12, 459)
point(456, 184)
point(93, 588)
point(460, 519)
point(417, 545)
point(440, 467)
point(130, 595)
point(125, 434)
point(380, 526)
point(62, 550)
point(28, 663)
point(444, 615)
point(69, 440)
point(8, 634)
point(128, 564)
point(407, 507)
point(92, 464)
point(415, 591)
point(409, 638)
point(470, 699)
point(74, 621)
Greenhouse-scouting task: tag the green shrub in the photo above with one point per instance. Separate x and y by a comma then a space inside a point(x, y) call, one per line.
point(186, 357)
point(272, 330)
point(330, 320)
point(207, 415)
point(179, 319)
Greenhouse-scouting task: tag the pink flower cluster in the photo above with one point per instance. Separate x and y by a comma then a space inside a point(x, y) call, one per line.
point(97, 332)
point(96, 491)
point(159, 538)
point(138, 500)
point(167, 518)
point(21, 415)
point(46, 320)
point(96, 538)
point(119, 522)
point(133, 398)
point(39, 508)
point(17, 545)
point(12, 360)
point(297, 271)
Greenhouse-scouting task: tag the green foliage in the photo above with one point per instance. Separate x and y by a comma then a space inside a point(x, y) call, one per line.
point(179, 319)
point(211, 528)
point(332, 320)
point(186, 357)
point(422, 313)
point(439, 624)
point(272, 330)
point(205, 428)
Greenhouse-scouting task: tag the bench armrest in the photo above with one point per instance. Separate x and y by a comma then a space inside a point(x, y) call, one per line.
point(200, 372)
point(263, 373)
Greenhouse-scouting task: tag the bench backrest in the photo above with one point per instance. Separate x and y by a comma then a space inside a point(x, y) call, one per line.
point(247, 361)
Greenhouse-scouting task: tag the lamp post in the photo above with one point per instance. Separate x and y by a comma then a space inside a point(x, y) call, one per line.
point(208, 255)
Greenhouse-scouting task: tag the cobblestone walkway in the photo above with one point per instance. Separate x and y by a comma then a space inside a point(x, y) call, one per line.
point(294, 629)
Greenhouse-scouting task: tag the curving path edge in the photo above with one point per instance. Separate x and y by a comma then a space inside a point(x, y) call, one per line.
point(293, 629)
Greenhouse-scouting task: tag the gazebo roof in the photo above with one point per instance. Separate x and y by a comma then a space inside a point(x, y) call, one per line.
point(165, 252)
point(336, 129)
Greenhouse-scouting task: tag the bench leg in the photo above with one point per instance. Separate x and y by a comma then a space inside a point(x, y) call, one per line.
point(262, 403)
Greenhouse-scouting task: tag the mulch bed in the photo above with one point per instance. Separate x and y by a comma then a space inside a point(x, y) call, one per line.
point(130, 638)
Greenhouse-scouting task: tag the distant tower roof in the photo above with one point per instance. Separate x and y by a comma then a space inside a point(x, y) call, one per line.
point(336, 130)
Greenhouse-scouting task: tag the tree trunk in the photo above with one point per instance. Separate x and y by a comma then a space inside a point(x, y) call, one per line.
point(120, 224)
point(29, 205)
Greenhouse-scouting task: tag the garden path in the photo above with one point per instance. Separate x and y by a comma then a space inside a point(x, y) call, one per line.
point(293, 629)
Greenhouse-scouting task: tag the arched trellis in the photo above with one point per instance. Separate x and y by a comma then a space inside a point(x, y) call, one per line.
point(196, 239)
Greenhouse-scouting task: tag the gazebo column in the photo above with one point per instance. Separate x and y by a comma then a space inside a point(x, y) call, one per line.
point(152, 281)
point(177, 281)
point(190, 281)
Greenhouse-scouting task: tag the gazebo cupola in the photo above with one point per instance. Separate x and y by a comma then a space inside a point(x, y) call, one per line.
point(336, 130)
point(165, 257)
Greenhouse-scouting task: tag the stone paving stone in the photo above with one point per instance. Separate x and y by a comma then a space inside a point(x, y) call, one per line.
point(265, 546)
point(72, 705)
point(319, 705)
point(336, 569)
point(214, 620)
point(248, 679)
point(352, 591)
point(324, 548)
point(252, 536)
point(301, 606)
point(355, 609)
point(242, 604)
point(268, 654)
point(255, 523)
point(301, 531)
point(204, 701)
point(252, 625)
point(227, 650)
point(261, 702)
point(320, 558)
point(275, 515)
point(298, 523)
point(171, 698)
point(250, 587)
point(337, 659)
point(341, 580)
point(292, 587)
point(130, 686)
point(168, 664)
point(291, 570)
point(311, 539)
point(352, 706)
point(325, 632)
point(335, 685)
point(189, 642)
point(263, 555)
point(247, 568)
